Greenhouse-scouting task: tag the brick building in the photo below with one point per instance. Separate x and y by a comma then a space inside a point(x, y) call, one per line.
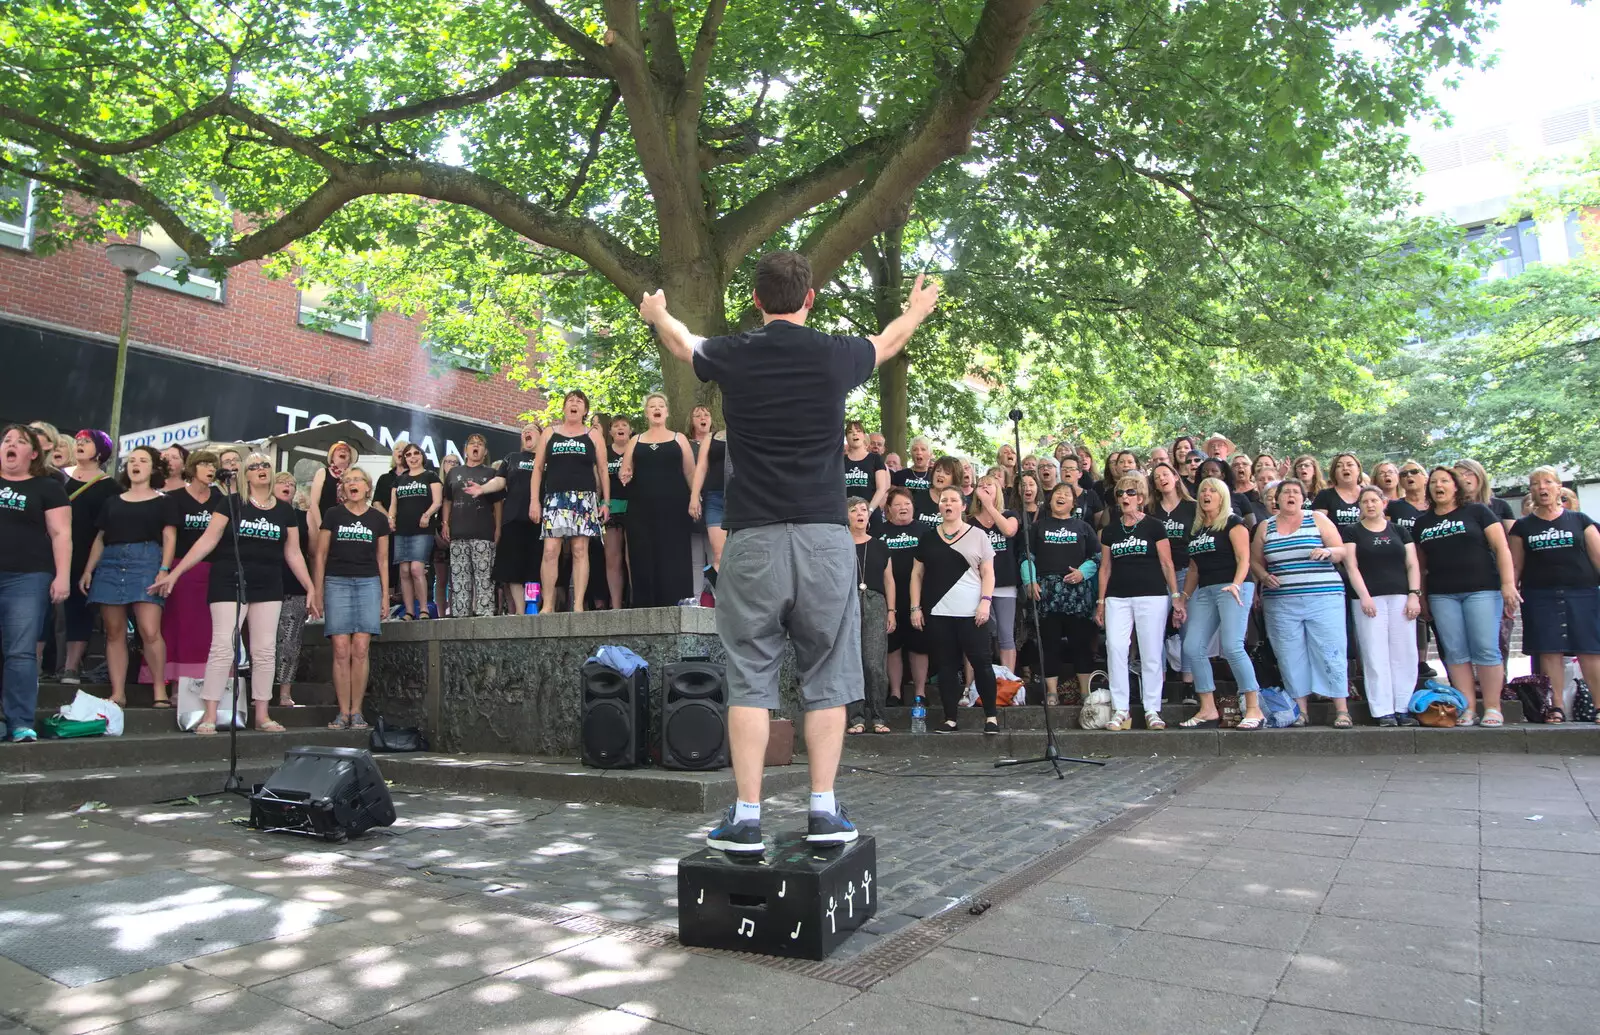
point(240, 352)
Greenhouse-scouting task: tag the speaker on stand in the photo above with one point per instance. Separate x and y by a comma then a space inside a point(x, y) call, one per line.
point(694, 716)
point(616, 716)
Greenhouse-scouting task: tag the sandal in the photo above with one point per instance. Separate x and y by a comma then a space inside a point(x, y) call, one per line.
point(1198, 723)
point(1554, 717)
point(1249, 724)
point(206, 729)
point(357, 722)
point(1119, 722)
point(881, 727)
point(340, 723)
point(1466, 719)
point(285, 702)
point(1154, 721)
point(856, 729)
point(1494, 720)
point(162, 702)
point(1343, 721)
point(1300, 720)
point(270, 726)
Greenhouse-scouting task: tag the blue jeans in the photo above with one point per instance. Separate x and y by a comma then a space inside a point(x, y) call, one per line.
point(1307, 634)
point(24, 596)
point(1212, 611)
point(1468, 625)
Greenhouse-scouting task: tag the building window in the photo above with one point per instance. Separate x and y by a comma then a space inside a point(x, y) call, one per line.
point(16, 211)
point(458, 358)
point(316, 312)
point(1519, 248)
point(172, 271)
point(1575, 232)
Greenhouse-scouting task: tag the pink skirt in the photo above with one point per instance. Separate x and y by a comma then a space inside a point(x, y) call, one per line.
point(186, 626)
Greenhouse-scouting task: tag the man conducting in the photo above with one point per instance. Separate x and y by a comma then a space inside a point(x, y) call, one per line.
point(789, 566)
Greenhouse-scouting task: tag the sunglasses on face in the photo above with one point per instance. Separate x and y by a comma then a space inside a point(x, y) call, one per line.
point(1127, 492)
point(259, 466)
point(1411, 474)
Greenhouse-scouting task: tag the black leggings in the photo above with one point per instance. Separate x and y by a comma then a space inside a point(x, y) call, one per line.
point(949, 640)
point(1079, 632)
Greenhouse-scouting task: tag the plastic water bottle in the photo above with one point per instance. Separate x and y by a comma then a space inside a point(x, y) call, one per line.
point(530, 598)
point(919, 715)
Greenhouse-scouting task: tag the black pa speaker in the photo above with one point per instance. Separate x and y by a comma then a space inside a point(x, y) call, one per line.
point(616, 716)
point(694, 716)
point(328, 792)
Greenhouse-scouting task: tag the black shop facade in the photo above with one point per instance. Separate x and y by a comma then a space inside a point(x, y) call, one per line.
point(66, 379)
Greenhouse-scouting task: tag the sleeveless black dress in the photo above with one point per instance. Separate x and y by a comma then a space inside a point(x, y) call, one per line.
point(658, 526)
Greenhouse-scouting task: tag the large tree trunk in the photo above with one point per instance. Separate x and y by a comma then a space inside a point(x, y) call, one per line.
point(695, 298)
point(882, 258)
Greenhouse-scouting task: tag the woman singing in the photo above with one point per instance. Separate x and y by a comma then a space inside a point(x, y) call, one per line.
point(658, 470)
point(954, 573)
point(352, 578)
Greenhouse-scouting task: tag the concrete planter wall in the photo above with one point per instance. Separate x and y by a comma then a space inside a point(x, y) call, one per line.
point(510, 684)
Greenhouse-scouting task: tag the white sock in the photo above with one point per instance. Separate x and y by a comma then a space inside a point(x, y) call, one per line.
point(822, 801)
point(743, 810)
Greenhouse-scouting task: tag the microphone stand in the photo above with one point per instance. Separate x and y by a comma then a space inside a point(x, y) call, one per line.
point(1052, 754)
point(234, 784)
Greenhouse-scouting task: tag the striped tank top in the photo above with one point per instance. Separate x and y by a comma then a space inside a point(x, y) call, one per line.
point(1288, 556)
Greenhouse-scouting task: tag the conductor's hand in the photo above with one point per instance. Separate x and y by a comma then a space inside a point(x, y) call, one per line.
point(654, 307)
point(924, 297)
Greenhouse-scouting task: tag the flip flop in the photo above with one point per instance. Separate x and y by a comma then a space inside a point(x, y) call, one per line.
point(879, 727)
point(1249, 724)
point(165, 702)
point(856, 730)
point(270, 726)
point(1199, 724)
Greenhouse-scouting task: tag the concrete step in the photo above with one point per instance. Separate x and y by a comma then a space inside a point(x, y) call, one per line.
point(1568, 739)
point(156, 749)
point(1065, 717)
point(131, 785)
point(163, 720)
point(140, 695)
point(557, 779)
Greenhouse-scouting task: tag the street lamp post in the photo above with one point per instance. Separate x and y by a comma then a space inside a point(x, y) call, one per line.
point(132, 260)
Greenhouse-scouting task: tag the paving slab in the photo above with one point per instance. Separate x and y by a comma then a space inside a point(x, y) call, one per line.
point(1403, 905)
point(1231, 922)
point(1415, 945)
point(1513, 1008)
point(1385, 990)
point(1014, 990)
point(1110, 1003)
point(883, 1013)
point(1288, 1019)
point(1196, 963)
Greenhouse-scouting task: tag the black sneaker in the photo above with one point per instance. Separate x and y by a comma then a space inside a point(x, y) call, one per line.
point(1405, 718)
point(1388, 720)
point(948, 726)
point(739, 838)
point(827, 828)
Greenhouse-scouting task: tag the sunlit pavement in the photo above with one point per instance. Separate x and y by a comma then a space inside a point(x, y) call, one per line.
point(1381, 896)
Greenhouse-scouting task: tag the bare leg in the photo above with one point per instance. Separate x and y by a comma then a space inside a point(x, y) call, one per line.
point(1208, 707)
point(341, 672)
point(1492, 680)
point(824, 745)
point(1252, 705)
point(1008, 659)
point(148, 619)
point(1461, 679)
point(76, 649)
point(615, 548)
point(359, 667)
point(419, 584)
point(115, 617)
point(580, 571)
point(718, 538)
point(747, 735)
point(441, 577)
point(407, 592)
point(549, 569)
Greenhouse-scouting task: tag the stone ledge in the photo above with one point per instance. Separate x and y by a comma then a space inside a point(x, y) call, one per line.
point(644, 621)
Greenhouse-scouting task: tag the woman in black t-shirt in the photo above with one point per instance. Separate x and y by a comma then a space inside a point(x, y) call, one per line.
point(1413, 499)
point(875, 590)
point(1340, 499)
point(1556, 553)
point(1475, 488)
point(1138, 592)
point(1468, 582)
point(256, 534)
point(901, 536)
point(1000, 526)
point(123, 562)
point(414, 499)
point(88, 487)
point(351, 568)
point(952, 588)
point(1384, 604)
point(709, 483)
point(1218, 594)
point(292, 617)
point(1066, 553)
point(1173, 506)
point(35, 562)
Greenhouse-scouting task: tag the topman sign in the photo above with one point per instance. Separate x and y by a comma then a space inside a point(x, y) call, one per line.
point(188, 433)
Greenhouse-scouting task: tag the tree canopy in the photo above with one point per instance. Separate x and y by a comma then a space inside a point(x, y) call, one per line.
point(1144, 186)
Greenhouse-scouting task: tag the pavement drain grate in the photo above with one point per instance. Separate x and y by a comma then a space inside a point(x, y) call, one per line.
point(93, 932)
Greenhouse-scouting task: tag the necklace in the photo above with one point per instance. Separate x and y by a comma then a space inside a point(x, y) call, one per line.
point(950, 537)
point(861, 566)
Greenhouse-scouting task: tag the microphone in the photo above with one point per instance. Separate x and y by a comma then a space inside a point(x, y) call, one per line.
point(225, 476)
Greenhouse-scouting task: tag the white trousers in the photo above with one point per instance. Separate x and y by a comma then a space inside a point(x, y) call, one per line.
point(1388, 645)
point(1126, 616)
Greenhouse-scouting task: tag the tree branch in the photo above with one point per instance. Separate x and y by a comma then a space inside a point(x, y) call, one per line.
point(108, 148)
point(666, 60)
point(705, 46)
point(580, 43)
point(514, 77)
point(593, 151)
point(764, 214)
point(941, 131)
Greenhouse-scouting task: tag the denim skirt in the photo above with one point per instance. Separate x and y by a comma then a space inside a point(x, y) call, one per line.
point(1561, 620)
point(713, 508)
point(351, 605)
point(418, 548)
point(124, 573)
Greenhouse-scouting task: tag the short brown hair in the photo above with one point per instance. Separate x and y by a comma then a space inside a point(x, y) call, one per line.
point(783, 279)
point(158, 467)
point(36, 466)
point(196, 458)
